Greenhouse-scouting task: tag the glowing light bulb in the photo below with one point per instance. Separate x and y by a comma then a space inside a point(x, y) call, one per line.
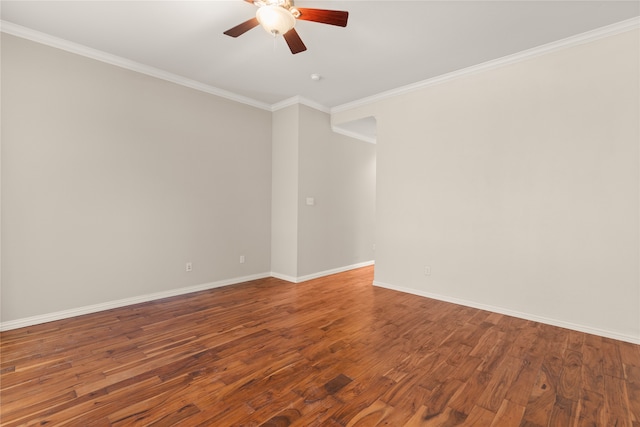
point(275, 19)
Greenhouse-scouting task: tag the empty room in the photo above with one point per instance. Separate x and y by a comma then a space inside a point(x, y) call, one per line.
point(320, 213)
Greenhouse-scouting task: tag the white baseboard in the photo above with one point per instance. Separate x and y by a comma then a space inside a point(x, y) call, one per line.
point(513, 313)
point(334, 271)
point(284, 277)
point(65, 314)
point(321, 273)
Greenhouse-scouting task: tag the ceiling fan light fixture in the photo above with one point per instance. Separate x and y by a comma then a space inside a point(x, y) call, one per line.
point(279, 17)
point(275, 19)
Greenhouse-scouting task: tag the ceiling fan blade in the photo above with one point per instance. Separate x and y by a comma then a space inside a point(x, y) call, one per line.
point(239, 30)
point(294, 41)
point(331, 17)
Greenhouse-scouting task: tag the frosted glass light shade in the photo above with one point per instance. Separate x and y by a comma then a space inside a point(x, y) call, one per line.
point(275, 19)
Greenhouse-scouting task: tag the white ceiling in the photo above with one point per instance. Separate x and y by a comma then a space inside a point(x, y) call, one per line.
point(386, 45)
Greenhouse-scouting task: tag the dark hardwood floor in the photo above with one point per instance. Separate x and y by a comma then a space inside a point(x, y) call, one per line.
point(335, 351)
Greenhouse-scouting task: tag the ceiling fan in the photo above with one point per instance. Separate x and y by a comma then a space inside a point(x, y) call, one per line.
point(279, 17)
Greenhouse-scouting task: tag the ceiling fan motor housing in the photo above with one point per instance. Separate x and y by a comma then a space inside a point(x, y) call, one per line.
point(287, 4)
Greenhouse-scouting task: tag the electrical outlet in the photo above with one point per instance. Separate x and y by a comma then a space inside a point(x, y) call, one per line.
point(241, 259)
point(189, 266)
point(427, 271)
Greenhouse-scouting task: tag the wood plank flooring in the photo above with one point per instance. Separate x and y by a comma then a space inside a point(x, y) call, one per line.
point(334, 351)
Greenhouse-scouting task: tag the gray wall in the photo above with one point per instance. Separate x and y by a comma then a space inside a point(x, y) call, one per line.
point(113, 180)
point(338, 172)
point(519, 187)
point(284, 208)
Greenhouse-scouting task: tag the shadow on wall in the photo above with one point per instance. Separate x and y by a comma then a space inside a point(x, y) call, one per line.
point(363, 129)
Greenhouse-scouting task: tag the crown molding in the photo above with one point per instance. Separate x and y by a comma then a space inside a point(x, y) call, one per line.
point(589, 36)
point(294, 100)
point(46, 39)
point(299, 100)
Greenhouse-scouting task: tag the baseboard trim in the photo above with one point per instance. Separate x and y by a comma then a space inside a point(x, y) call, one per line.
point(319, 274)
point(65, 314)
point(334, 271)
point(284, 277)
point(513, 313)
